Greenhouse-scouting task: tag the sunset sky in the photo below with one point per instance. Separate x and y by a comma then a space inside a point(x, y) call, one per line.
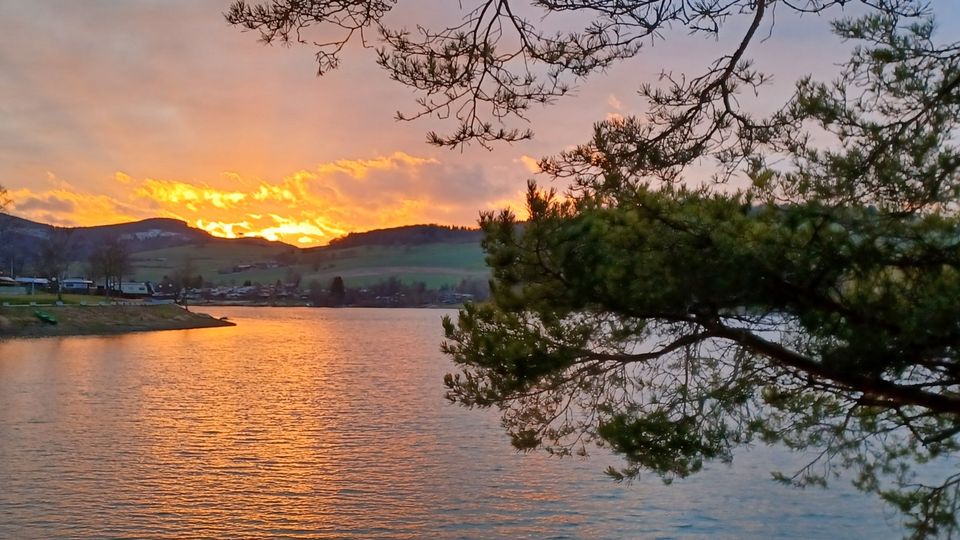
point(117, 111)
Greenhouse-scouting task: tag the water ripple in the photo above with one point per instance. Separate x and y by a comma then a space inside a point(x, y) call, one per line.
point(327, 424)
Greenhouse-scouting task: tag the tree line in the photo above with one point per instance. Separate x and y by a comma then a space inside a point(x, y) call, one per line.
point(55, 256)
point(409, 235)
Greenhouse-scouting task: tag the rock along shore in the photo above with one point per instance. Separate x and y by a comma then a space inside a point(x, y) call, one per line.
point(73, 320)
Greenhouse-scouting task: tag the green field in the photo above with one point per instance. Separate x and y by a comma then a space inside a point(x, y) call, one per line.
point(205, 260)
point(49, 298)
point(434, 264)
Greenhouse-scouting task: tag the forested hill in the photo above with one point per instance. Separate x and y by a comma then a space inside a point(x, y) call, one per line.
point(409, 235)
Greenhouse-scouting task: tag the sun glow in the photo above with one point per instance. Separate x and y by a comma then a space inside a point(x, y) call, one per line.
point(223, 230)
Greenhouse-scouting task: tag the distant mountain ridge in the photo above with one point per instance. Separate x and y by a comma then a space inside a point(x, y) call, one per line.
point(156, 233)
point(22, 235)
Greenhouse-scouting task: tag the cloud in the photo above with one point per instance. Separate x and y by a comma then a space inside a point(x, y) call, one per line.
point(68, 206)
point(146, 118)
point(50, 202)
point(532, 165)
point(191, 196)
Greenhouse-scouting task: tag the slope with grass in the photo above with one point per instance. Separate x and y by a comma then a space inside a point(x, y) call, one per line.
point(435, 264)
point(203, 259)
point(433, 254)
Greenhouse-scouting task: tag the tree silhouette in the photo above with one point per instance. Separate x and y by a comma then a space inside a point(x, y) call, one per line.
point(55, 254)
point(338, 291)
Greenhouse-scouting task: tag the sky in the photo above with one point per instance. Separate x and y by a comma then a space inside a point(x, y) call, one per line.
point(117, 111)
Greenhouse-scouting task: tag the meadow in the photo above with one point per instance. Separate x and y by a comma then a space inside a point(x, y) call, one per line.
point(435, 264)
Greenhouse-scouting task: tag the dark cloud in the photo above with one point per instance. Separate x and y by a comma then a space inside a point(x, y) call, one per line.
point(48, 203)
point(55, 219)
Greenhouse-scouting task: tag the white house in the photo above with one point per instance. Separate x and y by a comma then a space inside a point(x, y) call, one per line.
point(77, 285)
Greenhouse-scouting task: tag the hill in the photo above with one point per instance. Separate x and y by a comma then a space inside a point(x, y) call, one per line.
point(433, 254)
point(433, 263)
point(409, 235)
point(22, 235)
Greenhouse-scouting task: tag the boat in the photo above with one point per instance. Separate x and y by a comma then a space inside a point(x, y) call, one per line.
point(45, 317)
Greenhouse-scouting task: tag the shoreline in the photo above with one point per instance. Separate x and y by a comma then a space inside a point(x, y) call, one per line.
point(243, 303)
point(85, 320)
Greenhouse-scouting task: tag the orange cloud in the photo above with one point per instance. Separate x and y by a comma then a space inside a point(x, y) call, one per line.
point(224, 230)
point(516, 204)
point(65, 205)
point(191, 196)
point(306, 207)
point(359, 169)
point(531, 164)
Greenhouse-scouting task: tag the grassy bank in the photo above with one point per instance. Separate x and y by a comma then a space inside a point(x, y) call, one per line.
point(74, 320)
point(50, 298)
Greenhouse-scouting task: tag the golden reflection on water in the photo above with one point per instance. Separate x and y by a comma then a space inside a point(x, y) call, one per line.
point(274, 426)
point(314, 423)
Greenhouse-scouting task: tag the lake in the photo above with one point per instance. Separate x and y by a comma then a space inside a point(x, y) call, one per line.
point(305, 422)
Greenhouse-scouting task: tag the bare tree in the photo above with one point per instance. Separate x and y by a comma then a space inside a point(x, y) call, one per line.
point(55, 255)
point(183, 279)
point(110, 261)
point(485, 70)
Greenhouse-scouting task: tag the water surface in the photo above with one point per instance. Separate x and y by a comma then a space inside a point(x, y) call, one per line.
point(332, 423)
